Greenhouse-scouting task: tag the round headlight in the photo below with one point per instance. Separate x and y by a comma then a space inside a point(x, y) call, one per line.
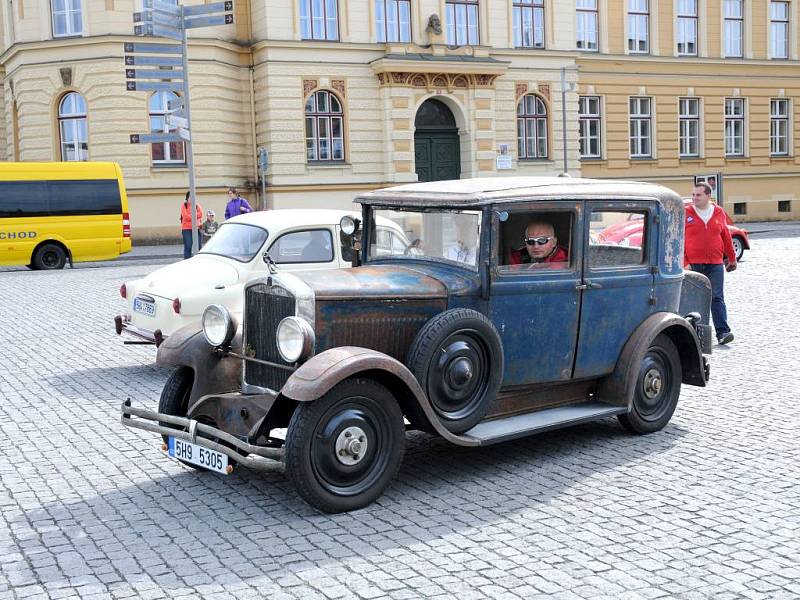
point(218, 325)
point(295, 339)
point(348, 225)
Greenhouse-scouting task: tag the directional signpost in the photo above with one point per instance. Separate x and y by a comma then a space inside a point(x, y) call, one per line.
point(164, 67)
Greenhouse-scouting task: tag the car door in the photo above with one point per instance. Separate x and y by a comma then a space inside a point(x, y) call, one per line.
point(534, 307)
point(303, 250)
point(618, 279)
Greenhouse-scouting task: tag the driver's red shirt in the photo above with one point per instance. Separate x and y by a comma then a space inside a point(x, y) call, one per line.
point(521, 256)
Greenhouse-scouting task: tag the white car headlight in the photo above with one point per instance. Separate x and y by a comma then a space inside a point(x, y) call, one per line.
point(219, 326)
point(295, 339)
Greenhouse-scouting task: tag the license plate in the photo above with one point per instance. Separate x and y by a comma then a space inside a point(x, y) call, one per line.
point(198, 455)
point(144, 307)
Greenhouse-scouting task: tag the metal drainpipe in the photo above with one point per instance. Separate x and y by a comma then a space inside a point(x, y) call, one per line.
point(254, 149)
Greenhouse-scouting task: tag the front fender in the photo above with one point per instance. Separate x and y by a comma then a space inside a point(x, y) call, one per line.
point(325, 370)
point(618, 388)
point(213, 374)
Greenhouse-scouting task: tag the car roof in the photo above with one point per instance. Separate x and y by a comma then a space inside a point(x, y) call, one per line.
point(494, 190)
point(283, 218)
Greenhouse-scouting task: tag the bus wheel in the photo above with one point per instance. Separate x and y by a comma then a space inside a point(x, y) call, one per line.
point(49, 256)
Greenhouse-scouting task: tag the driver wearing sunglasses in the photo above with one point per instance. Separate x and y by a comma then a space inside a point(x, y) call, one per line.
point(541, 246)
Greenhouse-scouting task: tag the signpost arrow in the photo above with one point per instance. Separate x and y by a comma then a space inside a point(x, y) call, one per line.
point(155, 138)
point(177, 121)
point(153, 48)
point(153, 61)
point(154, 86)
point(153, 74)
point(211, 21)
point(175, 104)
point(207, 9)
point(184, 134)
point(158, 18)
point(156, 5)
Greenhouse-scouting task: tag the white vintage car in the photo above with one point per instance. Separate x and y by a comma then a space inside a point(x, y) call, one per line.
point(297, 239)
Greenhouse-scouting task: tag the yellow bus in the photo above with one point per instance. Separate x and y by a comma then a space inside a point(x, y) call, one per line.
point(51, 213)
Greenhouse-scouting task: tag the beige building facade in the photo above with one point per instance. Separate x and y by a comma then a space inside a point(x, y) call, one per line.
point(351, 95)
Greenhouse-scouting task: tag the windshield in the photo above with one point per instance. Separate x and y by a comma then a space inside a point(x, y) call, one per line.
point(444, 235)
point(237, 241)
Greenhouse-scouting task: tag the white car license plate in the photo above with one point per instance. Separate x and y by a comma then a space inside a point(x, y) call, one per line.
point(144, 307)
point(198, 455)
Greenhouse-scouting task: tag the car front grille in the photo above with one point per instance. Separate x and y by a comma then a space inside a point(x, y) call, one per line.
point(264, 307)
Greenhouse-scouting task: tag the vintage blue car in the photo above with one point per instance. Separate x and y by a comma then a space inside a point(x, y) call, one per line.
point(504, 316)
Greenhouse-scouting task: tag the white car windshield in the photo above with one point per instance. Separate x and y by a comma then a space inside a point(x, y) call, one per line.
point(443, 235)
point(237, 241)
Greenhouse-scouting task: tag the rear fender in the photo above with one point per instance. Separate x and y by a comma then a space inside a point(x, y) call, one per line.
point(618, 388)
point(325, 370)
point(213, 374)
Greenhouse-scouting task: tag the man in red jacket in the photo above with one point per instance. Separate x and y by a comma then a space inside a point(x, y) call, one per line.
point(708, 246)
point(541, 247)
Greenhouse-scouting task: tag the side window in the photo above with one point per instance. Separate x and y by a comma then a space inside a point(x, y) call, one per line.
point(23, 199)
point(617, 238)
point(314, 245)
point(89, 197)
point(536, 240)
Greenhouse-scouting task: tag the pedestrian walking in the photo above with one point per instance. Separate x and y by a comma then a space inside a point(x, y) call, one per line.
point(210, 226)
point(186, 226)
point(709, 250)
point(236, 204)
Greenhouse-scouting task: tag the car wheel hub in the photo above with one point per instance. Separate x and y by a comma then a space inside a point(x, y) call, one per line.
point(652, 383)
point(461, 372)
point(351, 446)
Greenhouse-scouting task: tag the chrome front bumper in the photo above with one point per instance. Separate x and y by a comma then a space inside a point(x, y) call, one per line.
point(144, 336)
point(254, 457)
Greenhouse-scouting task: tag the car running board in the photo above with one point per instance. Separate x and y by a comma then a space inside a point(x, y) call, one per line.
point(509, 428)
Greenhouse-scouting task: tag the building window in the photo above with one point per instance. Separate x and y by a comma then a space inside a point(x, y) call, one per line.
point(324, 127)
point(461, 18)
point(67, 18)
point(319, 20)
point(638, 26)
point(164, 152)
point(784, 206)
point(586, 27)
point(689, 111)
point(529, 23)
point(641, 128)
point(687, 27)
point(72, 127)
point(779, 30)
point(779, 127)
point(740, 208)
point(393, 20)
point(734, 28)
point(734, 126)
point(589, 123)
point(531, 127)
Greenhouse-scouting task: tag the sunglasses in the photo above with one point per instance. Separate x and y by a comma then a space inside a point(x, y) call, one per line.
point(538, 241)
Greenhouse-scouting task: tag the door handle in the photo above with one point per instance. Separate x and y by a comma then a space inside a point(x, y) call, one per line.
point(588, 286)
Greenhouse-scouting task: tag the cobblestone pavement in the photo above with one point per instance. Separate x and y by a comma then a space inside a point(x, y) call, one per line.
point(707, 508)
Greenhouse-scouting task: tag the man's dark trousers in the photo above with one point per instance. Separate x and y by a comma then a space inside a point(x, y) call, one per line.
point(719, 312)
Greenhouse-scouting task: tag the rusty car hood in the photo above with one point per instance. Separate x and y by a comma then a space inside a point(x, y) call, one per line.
point(372, 282)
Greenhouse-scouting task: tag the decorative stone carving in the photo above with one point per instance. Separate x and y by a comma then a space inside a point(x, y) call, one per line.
point(440, 81)
point(521, 89)
point(434, 25)
point(338, 86)
point(436, 80)
point(66, 75)
point(309, 85)
point(544, 90)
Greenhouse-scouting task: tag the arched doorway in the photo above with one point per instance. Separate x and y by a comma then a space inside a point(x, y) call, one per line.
point(437, 152)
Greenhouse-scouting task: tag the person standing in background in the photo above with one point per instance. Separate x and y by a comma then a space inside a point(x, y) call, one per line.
point(709, 250)
point(186, 226)
point(236, 204)
point(210, 226)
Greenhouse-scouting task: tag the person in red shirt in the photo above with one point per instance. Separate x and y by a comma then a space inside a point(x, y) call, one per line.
point(186, 226)
point(709, 250)
point(541, 246)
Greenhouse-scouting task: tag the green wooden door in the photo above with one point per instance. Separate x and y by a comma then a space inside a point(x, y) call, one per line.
point(437, 155)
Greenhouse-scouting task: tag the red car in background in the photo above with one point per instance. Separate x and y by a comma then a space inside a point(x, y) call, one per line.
point(629, 233)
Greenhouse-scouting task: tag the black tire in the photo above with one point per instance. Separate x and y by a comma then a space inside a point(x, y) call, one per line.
point(658, 386)
point(457, 357)
point(738, 247)
point(49, 257)
point(174, 400)
point(328, 470)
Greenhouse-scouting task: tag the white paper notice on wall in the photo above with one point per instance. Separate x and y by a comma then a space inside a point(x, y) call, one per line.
point(504, 157)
